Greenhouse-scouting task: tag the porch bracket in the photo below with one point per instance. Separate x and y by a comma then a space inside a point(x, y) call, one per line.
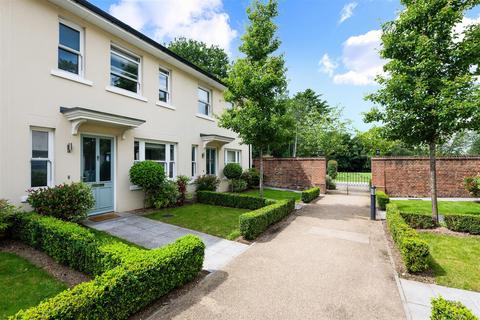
point(76, 125)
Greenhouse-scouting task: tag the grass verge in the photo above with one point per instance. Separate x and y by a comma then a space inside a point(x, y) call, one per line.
point(218, 221)
point(444, 207)
point(276, 194)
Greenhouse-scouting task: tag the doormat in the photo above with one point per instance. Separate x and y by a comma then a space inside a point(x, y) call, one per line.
point(103, 217)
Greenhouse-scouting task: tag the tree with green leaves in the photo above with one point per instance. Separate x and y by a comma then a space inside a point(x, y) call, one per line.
point(428, 92)
point(257, 84)
point(212, 59)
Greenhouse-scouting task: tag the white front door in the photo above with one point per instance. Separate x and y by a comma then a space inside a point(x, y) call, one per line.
point(97, 170)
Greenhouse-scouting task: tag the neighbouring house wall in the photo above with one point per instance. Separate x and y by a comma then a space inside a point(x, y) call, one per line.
point(294, 173)
point(30, 96)
point(410, 176)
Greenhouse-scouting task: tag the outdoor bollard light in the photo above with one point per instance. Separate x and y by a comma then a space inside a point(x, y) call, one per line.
point(373, 208)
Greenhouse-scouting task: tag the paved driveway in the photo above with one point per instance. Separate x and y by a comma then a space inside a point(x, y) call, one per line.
point(329, 262)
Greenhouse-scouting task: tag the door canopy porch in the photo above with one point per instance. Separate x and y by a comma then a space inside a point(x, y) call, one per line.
point(79, 116)
point(215, 139)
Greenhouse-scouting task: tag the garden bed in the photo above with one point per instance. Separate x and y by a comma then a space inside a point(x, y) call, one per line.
point(276, 194)
point(215, 220)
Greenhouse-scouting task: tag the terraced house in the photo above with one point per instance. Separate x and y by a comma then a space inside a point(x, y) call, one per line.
point(83, 96)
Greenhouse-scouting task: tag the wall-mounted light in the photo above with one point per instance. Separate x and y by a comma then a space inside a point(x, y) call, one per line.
point(203, 155)
point(69, 147)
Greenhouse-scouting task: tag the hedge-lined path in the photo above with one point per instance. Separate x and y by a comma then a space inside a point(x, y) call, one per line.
point(152, 234)
point(329, 261)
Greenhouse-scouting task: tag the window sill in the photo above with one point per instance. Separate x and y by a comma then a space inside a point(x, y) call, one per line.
point(165, 105)
point(135, 188)
point(126, 93)
point(199, 115)
point(70, 76)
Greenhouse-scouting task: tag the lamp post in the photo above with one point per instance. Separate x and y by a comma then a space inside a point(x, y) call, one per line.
point(373, 208)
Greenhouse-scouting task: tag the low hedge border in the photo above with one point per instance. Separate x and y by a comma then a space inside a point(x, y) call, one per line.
point(310, 194)
point(382, 200)
point(415, 252)
point(444, 309)
point(127, 278)
point(419, 220)
point(463, 223)
point(232, 200)
point(253, 223)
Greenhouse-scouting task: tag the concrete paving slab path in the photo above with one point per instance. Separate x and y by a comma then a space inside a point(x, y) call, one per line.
point(329, 261)
point(152, 234)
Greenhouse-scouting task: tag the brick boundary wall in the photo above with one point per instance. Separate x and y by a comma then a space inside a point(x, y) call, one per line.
point(410, 176)
point(294, 173)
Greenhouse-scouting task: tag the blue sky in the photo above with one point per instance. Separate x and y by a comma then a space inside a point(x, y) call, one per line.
point(329, 45)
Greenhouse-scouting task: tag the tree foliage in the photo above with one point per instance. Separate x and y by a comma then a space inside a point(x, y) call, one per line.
point(257, 83)
point(428, 92)
point(212, 59)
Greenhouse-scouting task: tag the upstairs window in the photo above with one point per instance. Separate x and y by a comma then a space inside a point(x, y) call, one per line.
point(70, 49)
point(204, 102)
point(124, 70)
point(164, 85)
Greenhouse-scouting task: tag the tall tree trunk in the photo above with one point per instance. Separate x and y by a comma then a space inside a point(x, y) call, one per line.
point(295, 144)
point(433, 181)
point(261, 173)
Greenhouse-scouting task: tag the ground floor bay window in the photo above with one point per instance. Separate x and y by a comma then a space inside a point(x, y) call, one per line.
point(232, 156)
point(163, 153)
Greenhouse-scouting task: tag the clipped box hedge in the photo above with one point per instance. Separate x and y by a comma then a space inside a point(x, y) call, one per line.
point(463, 223)
point(253, 223)
point(127, 278)
point(232, 200)
point(419, 220)
point(415, 252)
point(310, 194)
point(444, 309)
point(382, 200)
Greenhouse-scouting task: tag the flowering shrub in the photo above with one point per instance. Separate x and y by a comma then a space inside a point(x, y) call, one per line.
point(207, 183)
point(182, 182)
point(69, 202)
point(472, 185)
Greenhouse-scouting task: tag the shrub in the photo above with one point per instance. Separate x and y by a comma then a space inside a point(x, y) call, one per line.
point(415, 252)
point(445, 310)
point(7, 213)
point(167, 195)
point(239, 185)
point(330, 184)
point(253, 223)
point(463, 223)
point(310, 194)
point(232, 171)
point(150, 176)
point(332, 168)
point(182, 183)
point(242, 201)
point(207, 183)
point(127, 278)
point(127, 288)
point(252, 176)
point(472, 185)
point(69, 202)
point(418, 220)
point(382, 200)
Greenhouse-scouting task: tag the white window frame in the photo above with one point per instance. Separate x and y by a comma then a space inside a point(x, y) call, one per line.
point(166, 163)
point(162, 70)
point(49, 159)
point(238, 156)
point(194, 161)
point(114, 48)
point(216, 160)
point(81, 56)
point(228, 105)
point(209, 103)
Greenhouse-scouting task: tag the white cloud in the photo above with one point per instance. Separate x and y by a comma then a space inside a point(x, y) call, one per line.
point(327, 65)
point(360, 60)
point(203, 20)
point(347, 11)
point(459, 29)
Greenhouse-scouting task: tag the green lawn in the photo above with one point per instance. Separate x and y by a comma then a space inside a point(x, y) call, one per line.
point(214, 220)
point(455, 260)
point(353, 177)
point(107, 237)
point(23, 285)
point(276, 194)
point(444, 207)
